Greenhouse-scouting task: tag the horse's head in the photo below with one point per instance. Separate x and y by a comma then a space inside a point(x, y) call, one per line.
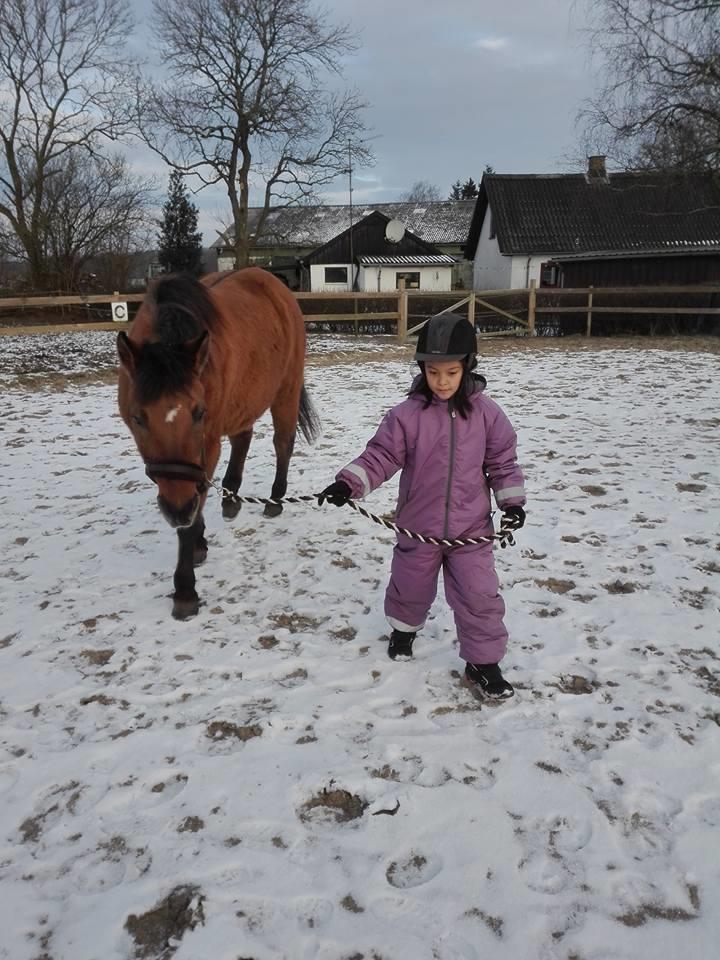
point(162, 400)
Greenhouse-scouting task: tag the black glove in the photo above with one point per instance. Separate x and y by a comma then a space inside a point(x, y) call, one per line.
point(513, 518)
point(337, 493)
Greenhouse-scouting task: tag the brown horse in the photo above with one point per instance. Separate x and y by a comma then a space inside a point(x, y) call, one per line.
point(204, 359)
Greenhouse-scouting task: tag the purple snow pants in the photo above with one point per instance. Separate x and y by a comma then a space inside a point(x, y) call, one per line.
point(471, 590)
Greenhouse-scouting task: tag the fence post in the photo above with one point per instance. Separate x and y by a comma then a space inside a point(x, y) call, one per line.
point(532, 303)
point(588, 328)
point(402, 324)
point(471, 309)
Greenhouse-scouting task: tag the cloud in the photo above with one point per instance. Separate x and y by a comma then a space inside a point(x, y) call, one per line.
point(491, 43)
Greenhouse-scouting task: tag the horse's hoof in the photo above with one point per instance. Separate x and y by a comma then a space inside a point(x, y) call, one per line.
point(272, 510)
point(199, 555)
point(184, 609)
point(230, 508)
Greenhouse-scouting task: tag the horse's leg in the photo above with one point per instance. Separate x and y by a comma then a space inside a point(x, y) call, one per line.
point(239, 445)
point(186, 602)
point(200, 546)
point(284, 416)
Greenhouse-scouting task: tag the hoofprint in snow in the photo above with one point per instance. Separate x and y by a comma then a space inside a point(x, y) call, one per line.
point(261, 781)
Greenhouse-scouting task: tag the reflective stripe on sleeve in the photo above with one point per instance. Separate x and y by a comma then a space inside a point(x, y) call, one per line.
point(509, 492)
point(361, 475)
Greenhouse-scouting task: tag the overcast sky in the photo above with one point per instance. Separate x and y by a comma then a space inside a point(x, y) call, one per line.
point(453, 85)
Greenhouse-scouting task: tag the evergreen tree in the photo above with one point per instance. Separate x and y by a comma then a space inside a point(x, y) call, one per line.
point(469, 189)
point(179, 239)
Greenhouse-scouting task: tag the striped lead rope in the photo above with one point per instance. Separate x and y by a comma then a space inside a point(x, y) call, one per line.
point(504, 537)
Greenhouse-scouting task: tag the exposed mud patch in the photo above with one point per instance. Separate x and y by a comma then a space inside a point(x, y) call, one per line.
point(557, 586)
point(656, 911)
point(575, 684)
point(339, 806)
point(621, 586)
point(191, 825)
point(350, 904)
point(224, 730)
point(157, 933)
point(294, 622)
point(98, 658)
point(492, 923)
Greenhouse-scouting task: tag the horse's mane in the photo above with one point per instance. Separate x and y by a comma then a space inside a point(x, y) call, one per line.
point(181, 310)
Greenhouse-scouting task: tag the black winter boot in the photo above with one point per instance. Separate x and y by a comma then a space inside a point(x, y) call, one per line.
point(489, 682)
point(400, 645)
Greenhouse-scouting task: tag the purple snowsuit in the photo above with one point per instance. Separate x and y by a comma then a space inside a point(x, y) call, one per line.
point(448, 465)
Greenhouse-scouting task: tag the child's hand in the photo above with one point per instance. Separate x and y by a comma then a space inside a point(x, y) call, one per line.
point(337, 493)
point(513, 518)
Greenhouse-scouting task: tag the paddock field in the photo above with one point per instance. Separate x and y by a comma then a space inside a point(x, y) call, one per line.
point(262, 782)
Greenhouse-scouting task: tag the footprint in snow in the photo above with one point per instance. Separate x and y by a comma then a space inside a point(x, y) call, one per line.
point(454, 947)
point(413, 869)
point(313, 912)
point(168, 789)
point(544, 874)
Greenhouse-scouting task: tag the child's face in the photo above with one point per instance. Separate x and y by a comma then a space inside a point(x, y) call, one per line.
point(443, 377)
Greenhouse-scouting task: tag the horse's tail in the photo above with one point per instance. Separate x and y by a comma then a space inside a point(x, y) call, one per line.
point(308, 420)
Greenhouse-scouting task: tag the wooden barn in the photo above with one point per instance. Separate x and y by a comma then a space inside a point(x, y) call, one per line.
point(598, 228)
point(693, 266)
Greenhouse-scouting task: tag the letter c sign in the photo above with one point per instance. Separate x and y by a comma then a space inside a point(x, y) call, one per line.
point(119, 312)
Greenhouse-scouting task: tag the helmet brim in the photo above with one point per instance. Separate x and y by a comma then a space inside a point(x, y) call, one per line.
point(440, 357)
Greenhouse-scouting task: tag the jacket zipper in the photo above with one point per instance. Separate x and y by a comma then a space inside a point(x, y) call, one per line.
point(450, 473)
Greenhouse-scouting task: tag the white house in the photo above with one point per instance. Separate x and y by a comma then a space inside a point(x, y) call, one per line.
point(383, 274)
point(374, 256)
point(523, 221)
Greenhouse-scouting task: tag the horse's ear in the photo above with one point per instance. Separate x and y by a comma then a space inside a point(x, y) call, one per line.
point(127, 351)
point(200, 347)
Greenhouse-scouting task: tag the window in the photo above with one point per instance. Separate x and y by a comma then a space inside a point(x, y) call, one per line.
point(335, 274)
point(548, 274)
point(412, 280)
point(491, 231)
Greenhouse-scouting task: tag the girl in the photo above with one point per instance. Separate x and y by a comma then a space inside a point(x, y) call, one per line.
point(451, 443)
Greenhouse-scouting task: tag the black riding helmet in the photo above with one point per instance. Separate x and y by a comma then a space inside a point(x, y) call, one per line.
point(446, 336)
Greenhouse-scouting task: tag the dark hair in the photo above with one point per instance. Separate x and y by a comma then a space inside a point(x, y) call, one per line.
point(460, 400)
point(182, 310)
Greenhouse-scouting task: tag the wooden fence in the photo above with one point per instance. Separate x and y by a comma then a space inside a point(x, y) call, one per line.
point(520, 312)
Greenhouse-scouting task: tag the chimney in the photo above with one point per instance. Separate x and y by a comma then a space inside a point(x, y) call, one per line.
point(596, 169)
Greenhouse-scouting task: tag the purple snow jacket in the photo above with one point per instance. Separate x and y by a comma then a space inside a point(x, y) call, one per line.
point(448, 465)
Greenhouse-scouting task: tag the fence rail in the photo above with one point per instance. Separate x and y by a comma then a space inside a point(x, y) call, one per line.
point(505, 311)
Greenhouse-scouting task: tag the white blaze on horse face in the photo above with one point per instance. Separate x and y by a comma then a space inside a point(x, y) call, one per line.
point(171, 414)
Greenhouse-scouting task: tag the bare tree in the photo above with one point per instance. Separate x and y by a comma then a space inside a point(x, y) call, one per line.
point(92, 206)
point(422, 191)
point(61, 71)
point(658, 103)
point(245, 104)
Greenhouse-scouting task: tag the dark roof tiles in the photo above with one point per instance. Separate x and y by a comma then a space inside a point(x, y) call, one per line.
point(568, 213)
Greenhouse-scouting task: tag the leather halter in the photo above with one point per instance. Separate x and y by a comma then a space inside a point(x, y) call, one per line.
point(178, 470)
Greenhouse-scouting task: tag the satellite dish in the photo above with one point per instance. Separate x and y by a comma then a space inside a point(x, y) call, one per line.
point(394, 231)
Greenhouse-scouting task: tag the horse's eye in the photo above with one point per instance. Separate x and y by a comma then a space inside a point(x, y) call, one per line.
point(197, 414)
point(138, 419)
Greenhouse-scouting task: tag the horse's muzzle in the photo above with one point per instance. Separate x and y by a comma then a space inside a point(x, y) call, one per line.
point(183, 516)
point(177, 470)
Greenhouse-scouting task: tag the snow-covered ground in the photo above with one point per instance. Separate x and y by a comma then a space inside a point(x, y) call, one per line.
point(262, 782)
